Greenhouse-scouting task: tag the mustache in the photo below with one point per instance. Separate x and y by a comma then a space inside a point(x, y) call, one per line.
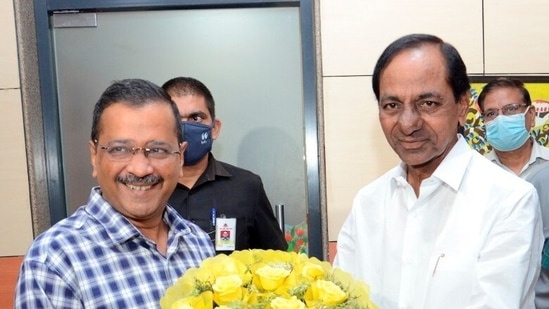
point(147, 180)
point(414, 136)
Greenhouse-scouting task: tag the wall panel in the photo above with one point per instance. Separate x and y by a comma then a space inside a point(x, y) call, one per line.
point(356, 149)
point(516, 37)
point(15, 217)
point(355, 32)
point(9, 71)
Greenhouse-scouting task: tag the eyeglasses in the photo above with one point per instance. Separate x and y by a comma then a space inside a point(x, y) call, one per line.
point(509, 109)
point(125, 153)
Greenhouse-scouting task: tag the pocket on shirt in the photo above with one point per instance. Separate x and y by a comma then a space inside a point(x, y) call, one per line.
point(451, 281)
point(204, 224)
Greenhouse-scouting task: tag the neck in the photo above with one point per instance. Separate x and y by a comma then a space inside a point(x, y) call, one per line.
point(191, 173)
point(156, 231)
point(415, 176)
point(515, 160)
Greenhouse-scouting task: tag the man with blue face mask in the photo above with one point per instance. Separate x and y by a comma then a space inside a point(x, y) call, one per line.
point(509, 116)
point(227, 202)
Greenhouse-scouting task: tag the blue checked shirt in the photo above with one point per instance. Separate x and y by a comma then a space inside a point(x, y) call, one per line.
point(97, 259)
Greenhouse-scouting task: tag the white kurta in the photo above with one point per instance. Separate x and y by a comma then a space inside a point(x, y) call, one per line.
point(472, 239)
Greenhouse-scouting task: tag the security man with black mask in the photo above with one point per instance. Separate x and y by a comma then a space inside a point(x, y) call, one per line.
point(226, 201)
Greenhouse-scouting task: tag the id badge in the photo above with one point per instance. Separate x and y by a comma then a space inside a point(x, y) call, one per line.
point(225, 234)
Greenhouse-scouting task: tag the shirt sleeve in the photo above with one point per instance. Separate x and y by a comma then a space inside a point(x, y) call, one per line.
point(540, 179)
point(345, 242)
point(269, 235)
point(40, 287)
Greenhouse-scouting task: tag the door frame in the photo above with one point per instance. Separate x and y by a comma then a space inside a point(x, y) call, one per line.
point(52, 164)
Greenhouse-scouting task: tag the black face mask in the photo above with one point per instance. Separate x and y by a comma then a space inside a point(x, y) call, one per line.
point(199, 141)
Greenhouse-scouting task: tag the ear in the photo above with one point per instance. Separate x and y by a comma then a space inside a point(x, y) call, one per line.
point(93, 157)
point(216, 130)
point(531, 117)
point(463, 107)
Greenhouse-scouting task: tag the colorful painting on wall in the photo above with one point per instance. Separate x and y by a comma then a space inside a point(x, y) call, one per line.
point(539, 93)
point(296, 237)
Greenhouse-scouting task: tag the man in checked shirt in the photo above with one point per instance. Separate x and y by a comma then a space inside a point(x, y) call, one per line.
point(125, 246)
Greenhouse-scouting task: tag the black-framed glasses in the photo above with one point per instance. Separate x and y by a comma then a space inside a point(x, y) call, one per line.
point(125, 153)
point(509, 109)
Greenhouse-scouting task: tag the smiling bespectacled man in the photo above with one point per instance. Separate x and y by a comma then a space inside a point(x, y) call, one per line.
point(126, 245)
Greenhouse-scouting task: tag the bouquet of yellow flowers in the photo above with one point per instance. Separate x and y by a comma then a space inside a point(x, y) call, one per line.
point(257, 279)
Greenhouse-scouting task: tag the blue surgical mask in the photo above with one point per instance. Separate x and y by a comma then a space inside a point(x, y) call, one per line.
point(507, 133)
point(199, 139)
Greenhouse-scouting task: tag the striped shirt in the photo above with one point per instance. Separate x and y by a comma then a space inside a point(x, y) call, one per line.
point(97, 259)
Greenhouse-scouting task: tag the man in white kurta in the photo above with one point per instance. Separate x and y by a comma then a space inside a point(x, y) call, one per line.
point(463, 243)
point(447, 228)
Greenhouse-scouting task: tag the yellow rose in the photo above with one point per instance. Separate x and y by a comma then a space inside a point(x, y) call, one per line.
point(287, 303)
point(312, 271)
point(324, 292)
point(222, 265)
point(246, 257)
point(227, 289)
point(181, 304)
point(269, 277)
point(202, 301)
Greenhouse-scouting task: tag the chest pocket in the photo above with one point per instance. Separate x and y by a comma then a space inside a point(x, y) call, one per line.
point(452, 274)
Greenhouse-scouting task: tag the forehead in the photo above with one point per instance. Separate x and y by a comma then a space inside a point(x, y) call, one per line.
point(191, 103)
point(153, 121)
point(414, 71)
point(501, 96)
